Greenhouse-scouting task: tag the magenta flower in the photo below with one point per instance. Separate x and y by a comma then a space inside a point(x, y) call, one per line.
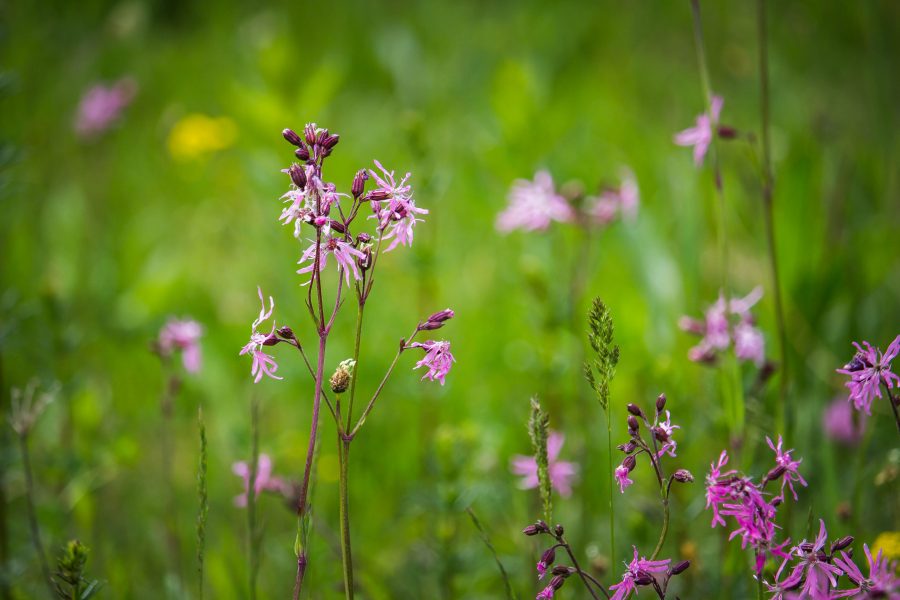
point(621, 475)
point(868, 369)
point(718, 333)
point(818, 573)
point(546, 593)
point(184, 336)
point(343, 254)
point(101, 106)
point(437, 358)
point(263, 364)
point(779, 587)
point(701, 135)
point(394, 208)
point(637, 568)
point(611, 203)
point(663, 431)
point(882, 581)
point(718, 487)
point(839, 424)
point(264, 479)
point(784, 459)
point(562, 473)
point(534, 205)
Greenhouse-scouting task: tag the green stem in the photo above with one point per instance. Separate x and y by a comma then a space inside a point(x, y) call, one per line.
point(580, 572)
point(769, 218)
point(356, 344)
point(612, 487)
point(32, 514)
point(252, 535)
point(665, 528)
point(203, 508)
point(346, 554)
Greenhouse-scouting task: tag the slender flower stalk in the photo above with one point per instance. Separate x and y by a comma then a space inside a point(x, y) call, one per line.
point(768, 191)
point(253, 536)
point(203, 502)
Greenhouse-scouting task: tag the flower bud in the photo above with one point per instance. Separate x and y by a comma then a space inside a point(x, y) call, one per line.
point(841, 543)
point(436, 321)
point(660, 403)
point(298, 175)
point(286, 332)
point(774, 474)
point(562, 570)
point(727, 133)
point(321, 134)
point(627, 448)
point(309, 132)
point(532, 530)
point(340, 380)
point(337, 226)
point(331, 141)
point(270, 340)
point(302, 153)
point(683, 476)
point(643, 578)
point(635, 410)
point(363, 238)
point(558, 530)
point(681, 567)
point(548, 556)
point(558, 581)
point(630, 462)
point(632, 425)
point(366, 261)
point(359, 183)
point(291, 136)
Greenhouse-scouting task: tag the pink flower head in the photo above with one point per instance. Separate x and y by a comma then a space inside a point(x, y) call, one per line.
point(343, 253)
point(882, 581)
point(779, 587)
point(663, 431)
point(534, 205)
point(394, 208)
point(562, 473)
point(868, 369)
point(638, 567)
point(784, 459)
point(701, 135)
point(718, 487)
point(839, 425)
point(264, 479)
point(717, 332)
point(611, 203)
point(818, 573)
point(546, 593)
point(437, 358)
point(182, 335)
point(621, 475)
point(263, 364)
point(101, 106)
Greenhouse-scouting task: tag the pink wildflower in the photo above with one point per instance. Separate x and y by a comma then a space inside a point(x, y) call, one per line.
point(784, 459)
point(184, 336)
point(882, 581)
point(343, 253)
point(718, 487)
point(534, 205)
point(701, 135)
point(621, 475)
point(717, 332)
point(838, 423)
point(868, 370)
point(779, 587)
point(437, 358)
point(394, 207)
point(603, 209)
point(637, 568)
point(818, 573)
point(264, 479)
point(263, 364)
point(561, 473)
point(101, 106)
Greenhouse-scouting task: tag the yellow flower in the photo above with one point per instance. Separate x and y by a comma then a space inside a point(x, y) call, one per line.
point(196, 135)
point(889, 543)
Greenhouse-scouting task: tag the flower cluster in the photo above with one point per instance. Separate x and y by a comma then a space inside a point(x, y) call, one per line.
point(561, 473)
point(264, 480)
point(183, 335)
point(817, 568)
point(661, 443)
point(869, 369)
point(730, 494)
point(101, 106)
point(642, 572)
point(263, 364)
point(727, 322)
point(534, 205)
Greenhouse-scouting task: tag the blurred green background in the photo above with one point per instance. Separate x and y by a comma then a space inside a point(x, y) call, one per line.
point(170, 214)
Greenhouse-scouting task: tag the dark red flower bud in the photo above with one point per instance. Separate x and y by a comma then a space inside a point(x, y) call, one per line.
point(558, 581)
point(298, 175)
point(309, 132)
point(331, 141)
point(681, 567)
point(727, 133)
point(660, 434)
point(559, 530)
point(629, 462)
point(359, 183)
point(378, 195)
point(632, 424)
point(302, 153)
point(774, 474)
point(635, 410)
point(548, 556)
point(627, 448)
point(363, 238)
point(337, 226)
point(291, 136)
point(562, 570)
point(841, 543)
point(643, 578)
point(532, 530)
point(286, 332)
point(660, 403)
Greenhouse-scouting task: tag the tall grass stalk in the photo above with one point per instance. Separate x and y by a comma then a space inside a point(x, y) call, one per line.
point(203, 502)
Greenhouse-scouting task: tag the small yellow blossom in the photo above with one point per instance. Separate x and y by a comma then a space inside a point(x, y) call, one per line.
point(889, 543)
point(196, 135)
